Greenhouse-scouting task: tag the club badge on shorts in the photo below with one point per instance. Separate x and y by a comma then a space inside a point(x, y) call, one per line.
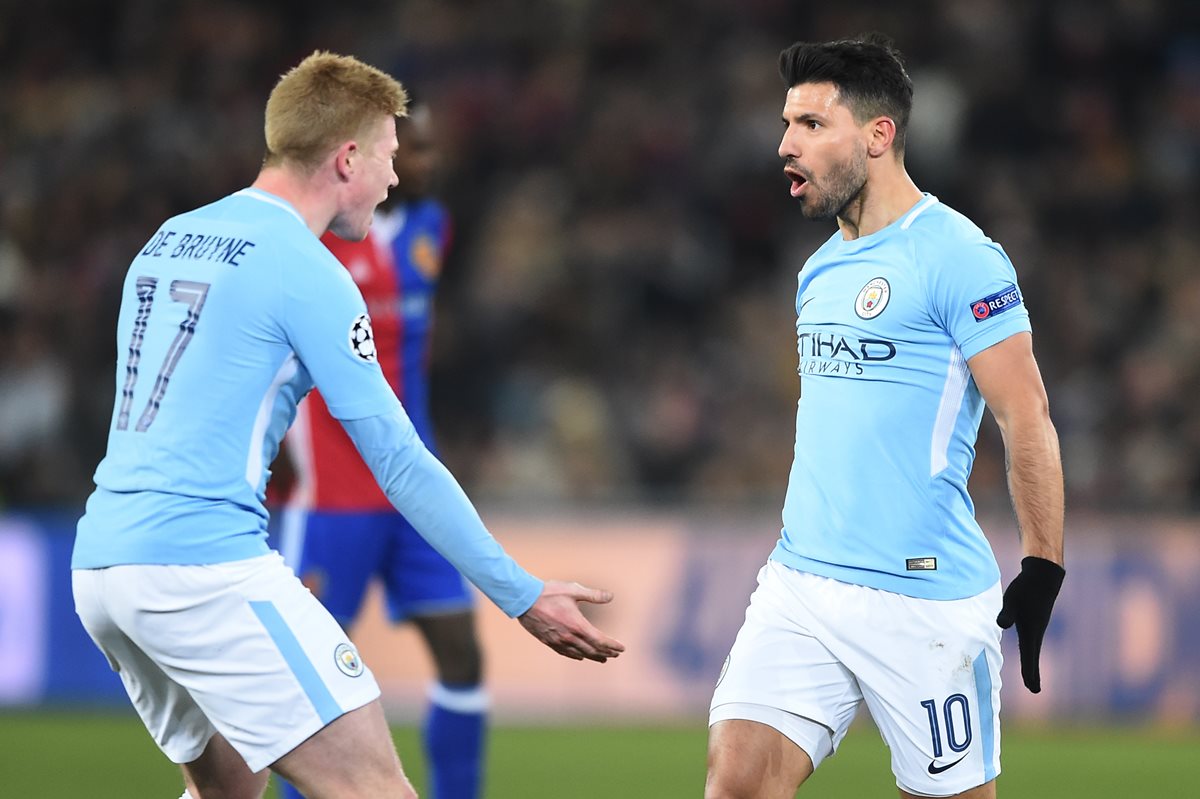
point(873, 298)
point(348, 661)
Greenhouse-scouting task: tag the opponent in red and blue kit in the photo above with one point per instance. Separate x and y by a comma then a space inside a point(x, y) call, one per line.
point(339, 530)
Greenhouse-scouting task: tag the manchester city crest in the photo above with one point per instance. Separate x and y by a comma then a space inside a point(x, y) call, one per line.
point(873, 298)
point(348, 661)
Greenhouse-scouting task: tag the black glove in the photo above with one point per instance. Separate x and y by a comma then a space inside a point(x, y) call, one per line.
point(1028, 601)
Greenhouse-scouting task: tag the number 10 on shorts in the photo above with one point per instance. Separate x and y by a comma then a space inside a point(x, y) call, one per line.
point(955, 711)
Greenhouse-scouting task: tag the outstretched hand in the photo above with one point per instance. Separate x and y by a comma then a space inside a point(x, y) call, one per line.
point(1028, 601)
point(556, 621)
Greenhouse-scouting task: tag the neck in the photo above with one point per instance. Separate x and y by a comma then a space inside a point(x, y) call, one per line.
point(886, 196)
point(315, 203)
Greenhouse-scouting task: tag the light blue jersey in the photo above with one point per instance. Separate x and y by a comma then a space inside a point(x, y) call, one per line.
point(229, 316)
point(889, 412)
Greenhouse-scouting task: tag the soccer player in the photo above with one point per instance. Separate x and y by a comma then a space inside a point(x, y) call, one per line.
point(229, 315)
point(882, 589)
point(340, 531)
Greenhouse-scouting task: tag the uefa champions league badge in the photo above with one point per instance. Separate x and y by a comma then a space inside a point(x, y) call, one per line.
point(348, 661)
point(724, 668)
point(873, 298)
point(998, 303)
point(362, 338)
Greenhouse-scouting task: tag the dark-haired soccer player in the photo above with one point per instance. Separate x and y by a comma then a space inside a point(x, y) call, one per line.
point(882, 589)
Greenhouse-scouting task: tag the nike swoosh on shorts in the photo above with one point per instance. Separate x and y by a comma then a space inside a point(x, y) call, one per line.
point(936, 769)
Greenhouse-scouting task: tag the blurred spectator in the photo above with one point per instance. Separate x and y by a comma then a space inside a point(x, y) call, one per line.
point(619, 322)
point(33, 402)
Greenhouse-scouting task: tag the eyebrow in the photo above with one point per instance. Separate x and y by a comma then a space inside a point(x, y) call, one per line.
point(802, 118)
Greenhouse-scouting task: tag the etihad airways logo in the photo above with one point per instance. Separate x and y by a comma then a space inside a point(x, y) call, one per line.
point(832, 354)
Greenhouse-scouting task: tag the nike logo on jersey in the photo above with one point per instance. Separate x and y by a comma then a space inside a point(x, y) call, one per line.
point(935, 769)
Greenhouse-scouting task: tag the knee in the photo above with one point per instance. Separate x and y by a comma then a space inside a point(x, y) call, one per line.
point(750, 774)
point(720, 784)
point(729, 778)
point(455, 649)
point(460, 664)
point(459, 659)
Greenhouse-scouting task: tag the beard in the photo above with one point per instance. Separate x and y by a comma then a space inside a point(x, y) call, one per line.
point(841, 186)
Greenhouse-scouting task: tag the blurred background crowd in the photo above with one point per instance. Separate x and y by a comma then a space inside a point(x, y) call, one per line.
point(616, 318)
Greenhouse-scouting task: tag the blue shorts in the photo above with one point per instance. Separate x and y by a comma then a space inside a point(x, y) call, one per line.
point(336, 554)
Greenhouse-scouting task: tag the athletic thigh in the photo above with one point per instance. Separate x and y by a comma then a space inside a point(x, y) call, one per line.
point(221, 771)
point(753, 760)
point(350, 758)
point(256, 652)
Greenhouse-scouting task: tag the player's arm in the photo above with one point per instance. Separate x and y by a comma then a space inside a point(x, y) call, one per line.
point(432, 500)
point(325, 320)
point(1009, 381)
point(1008, 378)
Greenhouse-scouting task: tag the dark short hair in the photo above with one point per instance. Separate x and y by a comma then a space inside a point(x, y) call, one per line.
point(868, 71)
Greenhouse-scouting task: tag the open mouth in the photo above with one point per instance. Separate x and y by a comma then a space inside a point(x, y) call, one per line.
point(798, 181)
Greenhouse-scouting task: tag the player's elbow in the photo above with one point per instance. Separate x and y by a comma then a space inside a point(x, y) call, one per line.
point(1028, 417)
point(1028, 427)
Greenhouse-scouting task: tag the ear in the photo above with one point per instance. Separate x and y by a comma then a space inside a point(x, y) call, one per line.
point(344, 160)
point(881, 132)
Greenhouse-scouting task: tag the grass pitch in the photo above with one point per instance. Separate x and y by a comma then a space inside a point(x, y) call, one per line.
point(110, 756)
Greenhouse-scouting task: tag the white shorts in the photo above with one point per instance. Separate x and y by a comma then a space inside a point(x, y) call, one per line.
point(813, 649)
point(239, 648)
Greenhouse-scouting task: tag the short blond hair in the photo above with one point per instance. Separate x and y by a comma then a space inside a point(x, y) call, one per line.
point(323, 101)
